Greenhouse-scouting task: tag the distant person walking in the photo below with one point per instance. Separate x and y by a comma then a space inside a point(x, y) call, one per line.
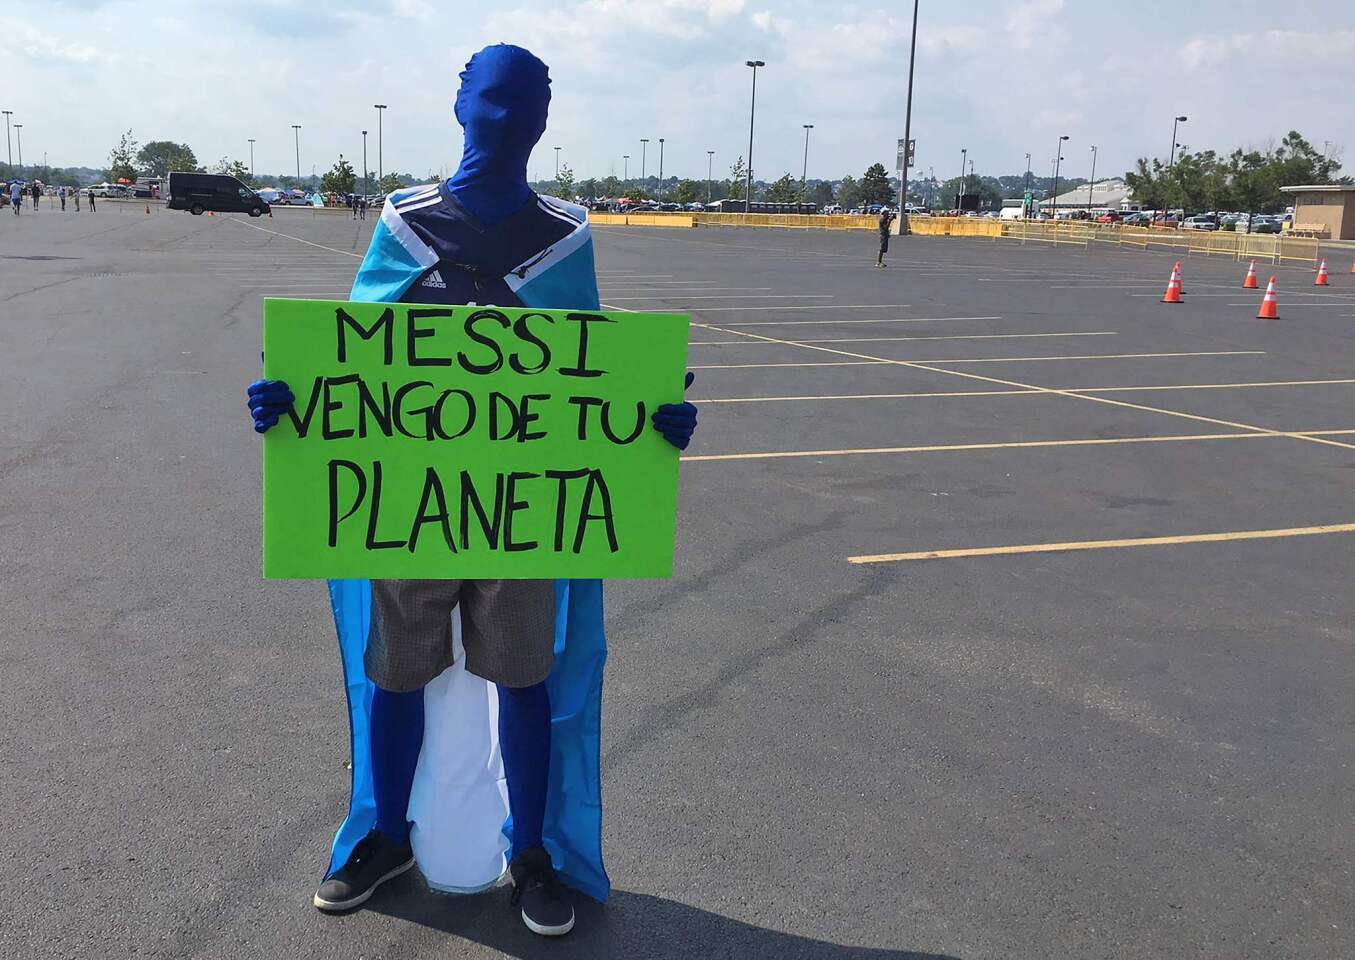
point(16, 196)
point(353, 205)
point(886, 220)
point(61, 195)
point(36, 192)
point(91, 200)
point(76, 192)
point(362, 208)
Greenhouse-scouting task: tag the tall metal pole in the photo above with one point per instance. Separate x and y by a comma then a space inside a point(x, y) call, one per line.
point(9, 155)
point(625, 175)
point(1057, 161)
point(1171, 157)
point(959, 191)
point(557, 164)
point(1025, 205)
point(380, 143)
point(907, 128)
point(1092, 186)
point(710, 167)
point(251, 159)
point(296, 127)
point(660, 166)
point(752, 113)
point(804, 171)
point(19, 137)
point(644, 149)
point(366, 176)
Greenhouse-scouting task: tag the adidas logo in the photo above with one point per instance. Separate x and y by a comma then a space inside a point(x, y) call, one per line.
point(435, 281)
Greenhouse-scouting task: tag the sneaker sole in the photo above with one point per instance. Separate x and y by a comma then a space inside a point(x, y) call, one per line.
point(557, 931)
point(338, 906)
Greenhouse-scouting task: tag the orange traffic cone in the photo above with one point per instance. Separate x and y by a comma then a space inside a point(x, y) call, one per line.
point(1321, 280)
point(1173, 294)
point(1250, 282)
point(1352, 268)
point(1180, 279)
point(1270, 307)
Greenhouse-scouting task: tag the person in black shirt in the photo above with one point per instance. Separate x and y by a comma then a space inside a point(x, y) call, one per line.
point(886, 220)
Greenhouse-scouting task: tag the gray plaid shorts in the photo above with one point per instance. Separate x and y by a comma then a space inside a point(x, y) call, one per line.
point(507, 630)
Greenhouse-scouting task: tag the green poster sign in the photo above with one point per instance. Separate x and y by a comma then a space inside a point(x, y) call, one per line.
point(448, 442)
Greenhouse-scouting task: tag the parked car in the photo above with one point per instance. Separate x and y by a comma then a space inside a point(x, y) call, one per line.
point(1110, 216)
point(1266, 225)
point(200, 192)
point(1199, 222)
point(1137, 219)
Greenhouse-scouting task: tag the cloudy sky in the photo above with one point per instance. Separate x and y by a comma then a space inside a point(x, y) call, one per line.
point(1000, 77)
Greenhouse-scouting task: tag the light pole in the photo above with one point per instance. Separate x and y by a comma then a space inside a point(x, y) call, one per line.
point(557, 164)
point(907, 128)
point(804, 171)
point(251, 159)
point(1171, 158)
point(9, 155)
point(380, 143)
point(660, 191)
point(366, 179)
point(644, 149)
point(710, 166)
point(625, 171)
point(1092, 186)
point(1058, 160)
point(19, 138)
point(752, 112)
point(959, 191)
point(296, 132)
point(1025, 204)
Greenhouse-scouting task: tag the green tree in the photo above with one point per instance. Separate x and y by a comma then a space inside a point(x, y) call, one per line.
point(738, 179)
point(588, 189)
point(122, 159)
point(564, 183)
point(390, 183)
point(158, 157)
point(689, 191)
point(821, 194)
point(784, 190)
point(848, 193)
point(231, 168)
point(875, 186)
point(610, 186)
point(340, 178)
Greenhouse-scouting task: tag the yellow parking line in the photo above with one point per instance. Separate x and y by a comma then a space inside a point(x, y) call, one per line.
point(1073, 545)
point(963, 336)
point(875, 361)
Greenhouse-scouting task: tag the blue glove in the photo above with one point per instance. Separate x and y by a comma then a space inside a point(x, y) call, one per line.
point(677, 421)
point(268, 400)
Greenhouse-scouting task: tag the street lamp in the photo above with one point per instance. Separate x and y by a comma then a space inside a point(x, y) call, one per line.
point(557, 164)
point(804, 171)
point(907, 129)
point(19, 137)
point(710, 166)
point(9, 155)
point(959, 191)
point(296, 127)
point(366, 179)
point(1025, 202)
point(1092, 186)
point(752, 112)
point(380, 143)
point(1171, 159)
point(251, 158)
point(625, 170)
point(644, 149)
point(660, 166)
point(1057, 161)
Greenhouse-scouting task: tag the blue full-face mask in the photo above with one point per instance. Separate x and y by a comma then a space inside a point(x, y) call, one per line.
point(502, 105)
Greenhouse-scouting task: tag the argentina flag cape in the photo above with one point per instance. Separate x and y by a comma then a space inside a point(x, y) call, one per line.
point(459, 801)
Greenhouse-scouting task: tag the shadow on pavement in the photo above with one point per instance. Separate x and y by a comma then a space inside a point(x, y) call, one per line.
point(630, 925)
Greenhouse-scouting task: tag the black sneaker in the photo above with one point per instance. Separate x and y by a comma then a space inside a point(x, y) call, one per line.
point(374, 860)
point(546, 906)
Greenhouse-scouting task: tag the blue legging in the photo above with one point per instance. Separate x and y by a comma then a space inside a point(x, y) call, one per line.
point(524, 740)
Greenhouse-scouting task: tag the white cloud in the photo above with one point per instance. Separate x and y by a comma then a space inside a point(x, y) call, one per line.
point(1031, 22)
point(1213, 51)
point(42, 46)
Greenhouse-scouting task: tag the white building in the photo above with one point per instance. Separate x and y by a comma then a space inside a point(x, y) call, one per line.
point(1109, 194)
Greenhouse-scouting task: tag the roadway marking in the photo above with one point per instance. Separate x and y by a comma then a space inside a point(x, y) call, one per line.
point(737, 296)
point(309, 243)
point(1007, 445)
point(876, 361)
point(1197, 418)
point(802, 323)
point(1020, 393)
point(967, 336)
point(817, 306)
point(1074, 545)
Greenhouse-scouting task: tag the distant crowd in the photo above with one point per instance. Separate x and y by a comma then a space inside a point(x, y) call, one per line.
point(15, 192)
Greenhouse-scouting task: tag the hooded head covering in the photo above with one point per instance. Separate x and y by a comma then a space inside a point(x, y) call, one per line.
point(502, 105)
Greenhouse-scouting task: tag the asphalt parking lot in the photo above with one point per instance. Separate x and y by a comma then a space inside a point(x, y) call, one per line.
point(1115, 717)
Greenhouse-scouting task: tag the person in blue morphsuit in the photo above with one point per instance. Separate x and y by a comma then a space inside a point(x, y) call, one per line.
point(483, 236)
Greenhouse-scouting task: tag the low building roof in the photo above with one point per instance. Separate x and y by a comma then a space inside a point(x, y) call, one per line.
point(1321, 188)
